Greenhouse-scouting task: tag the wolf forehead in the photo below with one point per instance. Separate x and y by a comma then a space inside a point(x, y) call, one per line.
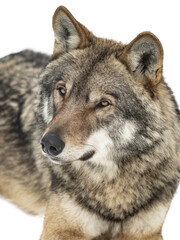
point(81, 57)
point(97, 64)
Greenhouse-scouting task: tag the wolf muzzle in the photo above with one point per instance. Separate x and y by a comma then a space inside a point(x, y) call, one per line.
point(52, 144)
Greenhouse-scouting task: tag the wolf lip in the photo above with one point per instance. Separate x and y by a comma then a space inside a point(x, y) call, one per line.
point(54, 159)
point(87, 155)
point(58, 161)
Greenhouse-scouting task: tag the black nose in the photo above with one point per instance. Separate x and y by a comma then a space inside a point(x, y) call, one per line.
point(52, 144)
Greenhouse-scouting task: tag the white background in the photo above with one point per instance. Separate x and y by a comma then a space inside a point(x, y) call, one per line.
point(27, 24)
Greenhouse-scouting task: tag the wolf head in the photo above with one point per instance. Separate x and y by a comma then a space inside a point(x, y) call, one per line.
point(100, 99)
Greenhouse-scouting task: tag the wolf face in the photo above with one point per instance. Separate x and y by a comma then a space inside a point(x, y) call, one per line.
point(99, 95)
point(94, 86)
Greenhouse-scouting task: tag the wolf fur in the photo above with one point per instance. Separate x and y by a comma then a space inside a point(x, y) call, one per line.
point(108, 102)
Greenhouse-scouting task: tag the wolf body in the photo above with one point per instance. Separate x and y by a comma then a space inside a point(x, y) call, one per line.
point(109, 160)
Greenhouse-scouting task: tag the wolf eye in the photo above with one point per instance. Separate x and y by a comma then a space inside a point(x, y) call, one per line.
point(62, 91)
point(104, 103)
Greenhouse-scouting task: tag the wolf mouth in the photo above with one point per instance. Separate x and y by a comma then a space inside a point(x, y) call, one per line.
point(87, 155)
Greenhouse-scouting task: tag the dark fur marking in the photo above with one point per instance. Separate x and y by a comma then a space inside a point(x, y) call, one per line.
point(145, 61)
point(66, 33)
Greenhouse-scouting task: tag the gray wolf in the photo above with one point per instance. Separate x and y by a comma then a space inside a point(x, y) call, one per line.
point(90, 136)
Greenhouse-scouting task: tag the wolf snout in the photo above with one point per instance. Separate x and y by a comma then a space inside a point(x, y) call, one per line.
point(52, 144)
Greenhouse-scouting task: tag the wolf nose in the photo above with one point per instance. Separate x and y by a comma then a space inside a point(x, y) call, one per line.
point(52, 144)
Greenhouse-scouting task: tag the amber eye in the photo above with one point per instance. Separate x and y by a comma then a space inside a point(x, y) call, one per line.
point(104, 103)
point(62, 91)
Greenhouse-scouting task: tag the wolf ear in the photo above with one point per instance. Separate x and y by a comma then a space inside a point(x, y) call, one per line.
point(69, 33)
point(144, 57)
